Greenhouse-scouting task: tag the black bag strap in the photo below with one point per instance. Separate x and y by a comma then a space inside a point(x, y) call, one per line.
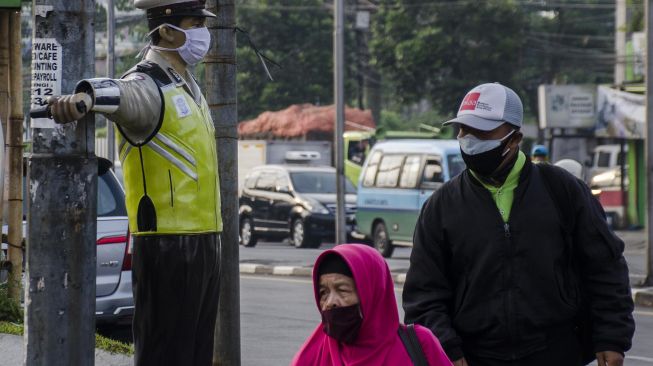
point(554, 185)
point(411, 342)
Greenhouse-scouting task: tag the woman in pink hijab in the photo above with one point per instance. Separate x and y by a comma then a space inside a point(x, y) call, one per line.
point(354, 293)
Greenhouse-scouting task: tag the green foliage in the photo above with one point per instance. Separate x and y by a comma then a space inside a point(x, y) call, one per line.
point(101, 342)
point(113, 346)
point(296, 34)
point(10, 310)
point(439, 52)
point(11, 328)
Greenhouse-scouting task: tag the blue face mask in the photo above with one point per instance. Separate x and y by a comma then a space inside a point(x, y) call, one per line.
point(472, 145)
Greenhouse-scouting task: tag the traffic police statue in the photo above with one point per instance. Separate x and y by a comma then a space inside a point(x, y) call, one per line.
point(168, 153)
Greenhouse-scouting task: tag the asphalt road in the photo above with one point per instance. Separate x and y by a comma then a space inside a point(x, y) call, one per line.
point(277, 314)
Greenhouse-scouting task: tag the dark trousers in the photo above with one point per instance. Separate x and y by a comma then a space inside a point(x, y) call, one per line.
point(562, 350)
point(175, 279)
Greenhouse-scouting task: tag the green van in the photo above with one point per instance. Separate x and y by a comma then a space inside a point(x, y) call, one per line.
point(397, 178)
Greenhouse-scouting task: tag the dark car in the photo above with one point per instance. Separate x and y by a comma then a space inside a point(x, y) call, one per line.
point(294, 201)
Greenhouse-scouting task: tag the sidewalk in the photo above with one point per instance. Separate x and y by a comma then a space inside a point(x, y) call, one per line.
point(12, 350)
point(302, 266)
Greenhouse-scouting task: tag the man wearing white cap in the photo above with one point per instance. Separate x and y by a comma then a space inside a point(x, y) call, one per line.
point(513, 263)
point(169, 158)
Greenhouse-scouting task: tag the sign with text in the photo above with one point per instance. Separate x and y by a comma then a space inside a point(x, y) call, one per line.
point(567, 106)
point(46, 76)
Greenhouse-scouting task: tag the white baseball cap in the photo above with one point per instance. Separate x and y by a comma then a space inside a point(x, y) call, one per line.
point(488, 106)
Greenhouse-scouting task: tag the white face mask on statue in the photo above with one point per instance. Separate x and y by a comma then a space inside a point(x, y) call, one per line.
point(198, 41)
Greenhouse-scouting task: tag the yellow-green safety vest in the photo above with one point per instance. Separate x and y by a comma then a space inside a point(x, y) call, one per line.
point(177, 168)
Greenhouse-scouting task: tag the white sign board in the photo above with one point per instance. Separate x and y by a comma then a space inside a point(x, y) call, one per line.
point(567, 106)
point(362, 19)
point(46, 76)
point(620, 114)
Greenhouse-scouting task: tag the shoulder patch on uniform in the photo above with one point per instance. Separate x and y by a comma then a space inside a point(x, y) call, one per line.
point(175, 75)
point(181, 105)
point(135, 76)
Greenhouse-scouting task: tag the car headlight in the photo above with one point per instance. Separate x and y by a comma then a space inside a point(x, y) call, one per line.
point(316, 207)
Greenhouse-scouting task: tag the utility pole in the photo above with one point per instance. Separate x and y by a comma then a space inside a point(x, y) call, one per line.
point(62, 173)
point(221, 97)
point(15, 161)
point(111, 69)
point(620, 42)
point(649, 140)
point(339, 97)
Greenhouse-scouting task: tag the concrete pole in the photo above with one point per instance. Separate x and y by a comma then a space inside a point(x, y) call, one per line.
point(62, 203)
point(15, 161)
point(339, 97)
point(620, 42)
point(649, 140)
point(111, 70)
point(222, 99)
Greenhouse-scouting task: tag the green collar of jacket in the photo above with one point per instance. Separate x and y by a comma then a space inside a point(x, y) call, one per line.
point(504, 195)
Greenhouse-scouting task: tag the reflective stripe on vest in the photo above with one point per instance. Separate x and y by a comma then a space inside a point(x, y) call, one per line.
point(179, 169)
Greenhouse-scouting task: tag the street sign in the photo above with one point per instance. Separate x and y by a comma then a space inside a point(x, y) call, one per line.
point(567, 106)
point(46, 76)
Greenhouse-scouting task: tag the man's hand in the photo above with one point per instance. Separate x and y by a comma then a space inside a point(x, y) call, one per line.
point(461, 362)
point(68, 108)
point(609, 358)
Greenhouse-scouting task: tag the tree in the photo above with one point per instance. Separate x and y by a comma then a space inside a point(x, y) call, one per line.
point(440, 50)
point(298, 35)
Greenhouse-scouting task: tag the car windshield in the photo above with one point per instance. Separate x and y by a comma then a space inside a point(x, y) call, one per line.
point(317, 182)
point(456, 165)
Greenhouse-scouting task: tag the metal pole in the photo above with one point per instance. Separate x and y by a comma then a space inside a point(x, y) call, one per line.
point(222, 99)
point(620, 42)
point(339, 96)
point(62, 178)
point(15, 161)
point(649, 141)
point(111, 69)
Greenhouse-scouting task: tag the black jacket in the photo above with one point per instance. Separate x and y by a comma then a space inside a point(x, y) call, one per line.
point(498, 289)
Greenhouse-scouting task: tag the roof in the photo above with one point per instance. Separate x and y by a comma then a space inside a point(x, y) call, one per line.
point(304, 121)
point(419, 146)
point(297, 167)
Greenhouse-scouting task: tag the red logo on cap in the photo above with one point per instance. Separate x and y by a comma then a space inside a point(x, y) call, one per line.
point(469, 103)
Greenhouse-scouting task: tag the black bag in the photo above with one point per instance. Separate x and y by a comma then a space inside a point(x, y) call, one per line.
point(411, 342)
point(562, 199)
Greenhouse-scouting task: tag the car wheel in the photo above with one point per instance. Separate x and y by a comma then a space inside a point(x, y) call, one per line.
point(247, 236)
point(381, 242)
point(300, 237)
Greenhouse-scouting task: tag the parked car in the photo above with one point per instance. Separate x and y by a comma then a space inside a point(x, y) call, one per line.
point(114, 301)
point(294, 201)
point(397, 178)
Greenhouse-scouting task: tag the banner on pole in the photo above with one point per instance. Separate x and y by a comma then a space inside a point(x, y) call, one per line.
point(620, 114)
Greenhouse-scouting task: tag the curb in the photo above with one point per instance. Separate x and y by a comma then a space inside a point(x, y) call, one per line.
point(643, 296)
point(295, 271)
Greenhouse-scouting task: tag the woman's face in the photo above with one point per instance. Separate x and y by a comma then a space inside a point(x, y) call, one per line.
point(337, 290)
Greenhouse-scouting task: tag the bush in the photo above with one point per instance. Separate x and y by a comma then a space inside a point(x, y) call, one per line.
point(10, 310)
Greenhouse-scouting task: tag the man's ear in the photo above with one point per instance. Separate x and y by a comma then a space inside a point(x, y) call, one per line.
point(165, 33)
point(516, 140)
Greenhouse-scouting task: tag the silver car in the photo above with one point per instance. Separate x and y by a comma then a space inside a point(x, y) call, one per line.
point(114, 299)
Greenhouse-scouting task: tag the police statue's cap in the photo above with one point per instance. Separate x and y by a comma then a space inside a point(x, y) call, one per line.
point(173, 8)
point(488, 106)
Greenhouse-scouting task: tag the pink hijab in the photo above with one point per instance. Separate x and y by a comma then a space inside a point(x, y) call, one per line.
point(378, 342)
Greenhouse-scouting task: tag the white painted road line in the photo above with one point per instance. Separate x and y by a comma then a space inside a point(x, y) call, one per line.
point(639, 358)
